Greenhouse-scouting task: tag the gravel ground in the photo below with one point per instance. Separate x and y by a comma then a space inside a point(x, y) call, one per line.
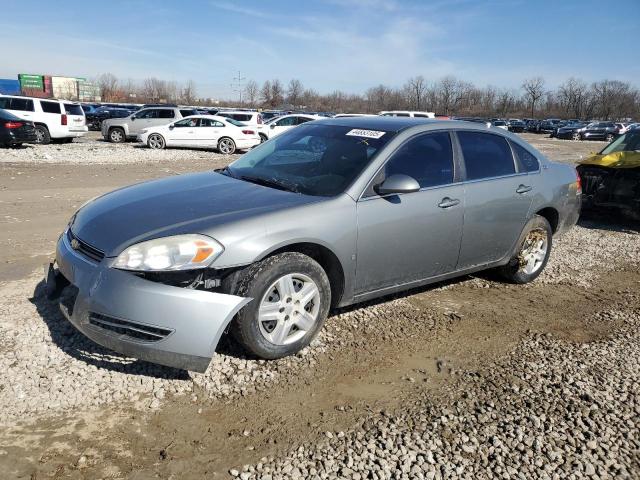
point(93, 150)
point(50, 367)
point(552, 409)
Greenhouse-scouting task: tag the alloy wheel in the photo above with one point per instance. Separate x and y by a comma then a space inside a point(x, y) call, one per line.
point(156, 142)
point(226, 146)
point(289, 309)
point(533, 251)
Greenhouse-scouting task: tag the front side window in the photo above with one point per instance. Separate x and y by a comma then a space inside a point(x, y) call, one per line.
point(50, 107)
point(164, 113)
point(301, 120)
point(286, 122)
point(147, 114)
point(526, 160)
point(188, 113)
point(187, 122)
point(485, 155)
point(427, 158)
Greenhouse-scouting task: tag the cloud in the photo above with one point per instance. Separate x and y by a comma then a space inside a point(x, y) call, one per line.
point(233, 8)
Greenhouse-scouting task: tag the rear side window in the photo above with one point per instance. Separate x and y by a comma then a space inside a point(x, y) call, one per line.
point(241, 118)
point(187, 113)
point(485, 155)
point(73, 109)
point(50, 107)
point(427, 158)
point(166, 113)
point(21, 104)
point(527, 162)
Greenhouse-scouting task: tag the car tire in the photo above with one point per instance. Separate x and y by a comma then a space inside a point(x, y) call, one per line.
point(532, 252)
point(609, 138)
point(275, 323)
point(156, 141)
point(226, 146)
point(42, 135)
point(263, 138)
point(576, 136)
point(116, 135)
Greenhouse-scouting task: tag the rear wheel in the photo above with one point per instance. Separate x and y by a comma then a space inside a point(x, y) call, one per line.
point(116, 135)
point(609, 137)
point(156, 141)
point(42, 135)
point(226, 146)
point(532, 255)
point(263, 138)
point(291, 295)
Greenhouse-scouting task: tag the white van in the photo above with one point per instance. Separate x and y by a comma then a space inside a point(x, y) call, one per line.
point(53, 119)
point(407, 113)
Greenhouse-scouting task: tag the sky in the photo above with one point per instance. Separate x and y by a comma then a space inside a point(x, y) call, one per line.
point(347, 45)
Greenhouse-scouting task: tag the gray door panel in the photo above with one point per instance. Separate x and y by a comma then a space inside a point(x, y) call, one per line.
point(404, 238)
point(494, 217)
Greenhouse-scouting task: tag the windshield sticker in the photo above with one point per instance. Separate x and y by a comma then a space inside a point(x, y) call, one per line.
point(356, 132)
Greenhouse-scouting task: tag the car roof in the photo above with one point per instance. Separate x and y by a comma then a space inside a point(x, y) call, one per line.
point(388, 124)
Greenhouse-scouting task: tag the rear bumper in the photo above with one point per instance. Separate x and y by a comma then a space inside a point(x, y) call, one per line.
point(13, 138)
point(248, 143)
point(168, 325)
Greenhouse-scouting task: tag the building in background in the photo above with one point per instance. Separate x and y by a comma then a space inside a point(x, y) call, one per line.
point(9, 86)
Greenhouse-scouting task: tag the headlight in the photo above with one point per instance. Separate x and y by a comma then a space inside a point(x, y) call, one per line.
point(181, 252)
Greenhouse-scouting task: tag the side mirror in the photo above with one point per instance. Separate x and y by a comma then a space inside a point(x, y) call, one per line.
point(133, 117)
point(272, 126)
point(398, 183)
point(172, 126)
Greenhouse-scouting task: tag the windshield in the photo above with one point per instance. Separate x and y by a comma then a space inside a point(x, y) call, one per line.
point(319, 160)
point(629, 142)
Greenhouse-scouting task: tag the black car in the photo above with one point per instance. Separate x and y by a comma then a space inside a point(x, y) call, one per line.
point(599, 131)
point(548, 125)
point(95, 119)
point(533, 126)
point(14, 131)
point(570, 131)
point(516, 126)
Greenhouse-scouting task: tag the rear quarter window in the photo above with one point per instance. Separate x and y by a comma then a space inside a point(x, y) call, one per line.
point(50, 107)
point(527, 162)
point(485, 155)
point(166, 113)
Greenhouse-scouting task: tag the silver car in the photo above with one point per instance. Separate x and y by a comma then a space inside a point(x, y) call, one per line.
point(330, 213)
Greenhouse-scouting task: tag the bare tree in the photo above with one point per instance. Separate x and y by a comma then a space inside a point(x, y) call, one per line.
point(265, 93)
point(533, 91)
point(294, 91)
point(277, 93)
point(189, 93)
point(108, 84)
point(416, 89)
point(251, 92)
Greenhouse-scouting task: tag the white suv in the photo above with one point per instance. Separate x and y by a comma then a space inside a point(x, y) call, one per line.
point(53, 119)
point(407, 113)
point(118, 130)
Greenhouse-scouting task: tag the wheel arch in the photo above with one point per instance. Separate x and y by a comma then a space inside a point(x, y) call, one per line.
point(551, 215)
point(322, 254)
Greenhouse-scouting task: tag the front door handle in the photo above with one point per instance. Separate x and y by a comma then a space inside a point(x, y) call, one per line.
point(523, 189)
point(447, 202)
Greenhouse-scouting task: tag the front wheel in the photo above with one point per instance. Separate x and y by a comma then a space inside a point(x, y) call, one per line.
point(226, 146)
point(609, 137)
point(576, 136)
point(156, 141)
point(116, 135)
point(532, 254)
point(291, 298)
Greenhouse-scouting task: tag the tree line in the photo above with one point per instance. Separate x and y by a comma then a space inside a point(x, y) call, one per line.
point(574, 98)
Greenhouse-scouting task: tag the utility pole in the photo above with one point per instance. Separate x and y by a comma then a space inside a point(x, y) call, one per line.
point(238, 85)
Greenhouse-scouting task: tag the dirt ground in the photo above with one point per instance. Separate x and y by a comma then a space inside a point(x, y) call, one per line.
point(414, 346)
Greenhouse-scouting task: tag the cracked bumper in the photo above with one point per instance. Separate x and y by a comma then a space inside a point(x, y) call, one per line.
point(171, 326)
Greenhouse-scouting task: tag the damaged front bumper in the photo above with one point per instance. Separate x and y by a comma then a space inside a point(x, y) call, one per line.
point(172, 326)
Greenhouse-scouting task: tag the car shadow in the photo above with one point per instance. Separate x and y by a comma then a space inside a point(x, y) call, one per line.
point(76, 345)
point(610, 220)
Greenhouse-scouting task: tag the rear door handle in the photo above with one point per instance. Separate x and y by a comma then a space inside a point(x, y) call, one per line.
point(447, 202)
point(523, 189)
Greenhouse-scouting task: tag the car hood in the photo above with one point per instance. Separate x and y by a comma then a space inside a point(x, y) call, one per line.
point(614, 160)
point(175, 205)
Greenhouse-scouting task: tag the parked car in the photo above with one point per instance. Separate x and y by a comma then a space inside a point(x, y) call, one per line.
point(599, 131)
point(515, 125)
point(548, 125)
point(328, 214)
point(99, 115)
point(278, 125)
point(269, 114)
point(611, 178)
point(500, 124)
point(533, 126)
point(15, 131)
point(407, 113)
point(251, 119)
point(53, 119)
point(202, 131)
point(118, 130)
point(570, 131)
